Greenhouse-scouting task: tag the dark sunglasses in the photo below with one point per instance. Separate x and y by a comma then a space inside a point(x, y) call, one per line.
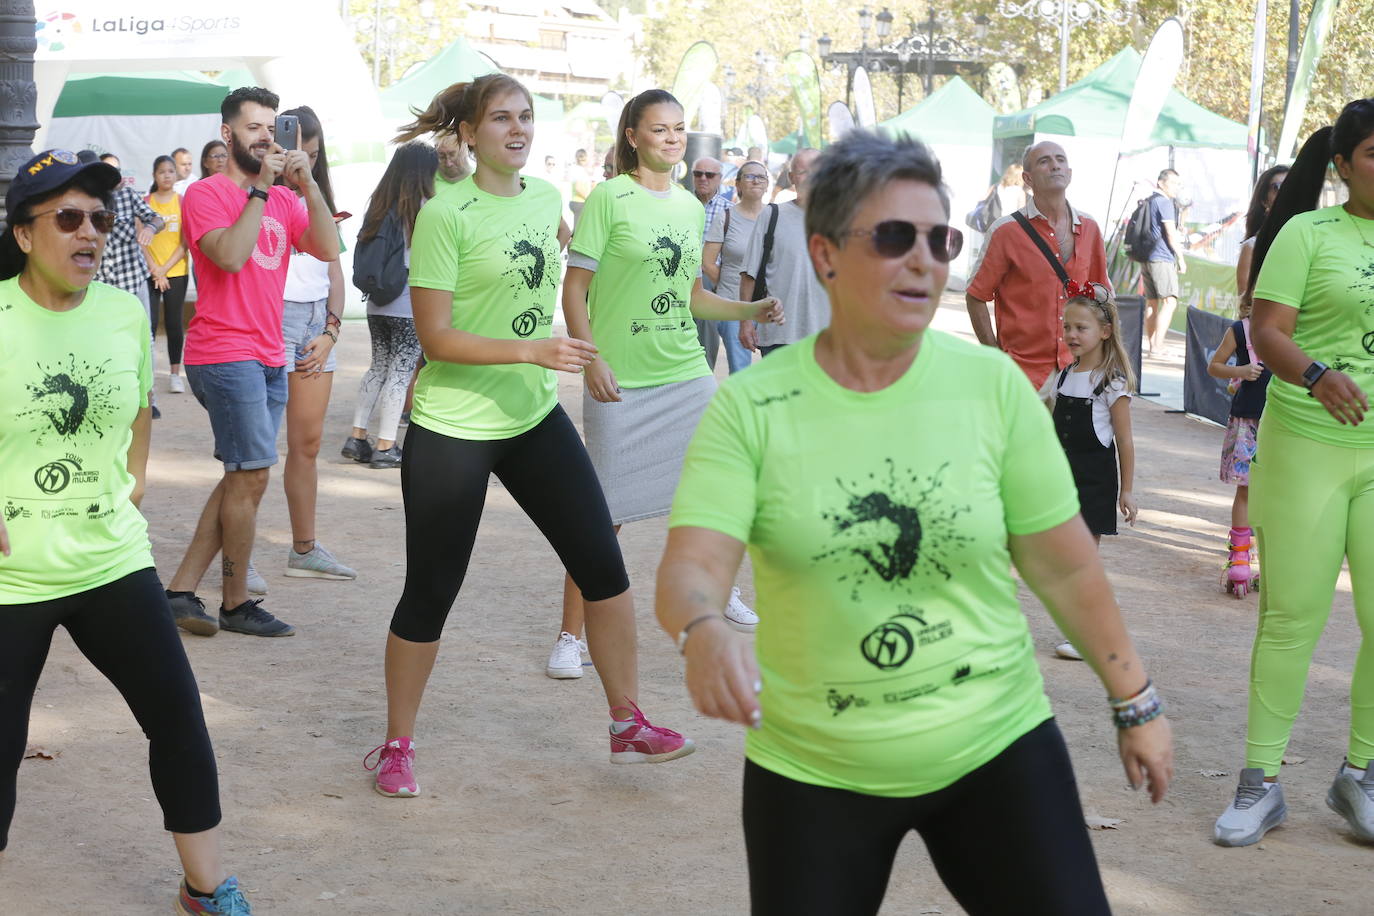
point(69, 219)
point(696, 174)
point(894, 238)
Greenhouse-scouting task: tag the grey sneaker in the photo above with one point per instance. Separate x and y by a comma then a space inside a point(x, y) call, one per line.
point(386, 458)
point(1253, 813)
point(257, 585)
point(357, 449)
point(251, 619)
point(318, 563)
point(189, 613)
point(1353, 799)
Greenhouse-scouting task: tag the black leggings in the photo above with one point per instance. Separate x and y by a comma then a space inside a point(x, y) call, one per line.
point(1007, 838)
point(125, 629)
point(171, 301)
point(444, 486)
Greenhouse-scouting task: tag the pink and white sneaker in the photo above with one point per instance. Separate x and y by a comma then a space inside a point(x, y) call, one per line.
point(395, 768)
point(643, 742)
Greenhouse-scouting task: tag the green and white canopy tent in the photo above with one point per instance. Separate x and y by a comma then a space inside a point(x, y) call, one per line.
point(457, 63)
point(957, 124)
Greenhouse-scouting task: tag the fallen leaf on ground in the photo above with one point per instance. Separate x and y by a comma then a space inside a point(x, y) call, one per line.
point(1213, 774)
point(42, 753)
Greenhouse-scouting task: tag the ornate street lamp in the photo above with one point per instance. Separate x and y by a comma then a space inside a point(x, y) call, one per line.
point(1067, 15)
point(18, 120)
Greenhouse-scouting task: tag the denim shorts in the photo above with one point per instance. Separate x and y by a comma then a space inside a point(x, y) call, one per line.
point(302, 322)
point(245, 401)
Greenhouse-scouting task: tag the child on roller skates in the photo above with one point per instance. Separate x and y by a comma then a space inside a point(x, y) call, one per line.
point(1249, 380)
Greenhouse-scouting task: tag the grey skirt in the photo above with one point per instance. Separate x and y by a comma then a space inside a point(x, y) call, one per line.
point(638, 443)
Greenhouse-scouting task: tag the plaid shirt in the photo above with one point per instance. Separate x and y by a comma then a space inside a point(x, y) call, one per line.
point(123, 264)
point(715, 207)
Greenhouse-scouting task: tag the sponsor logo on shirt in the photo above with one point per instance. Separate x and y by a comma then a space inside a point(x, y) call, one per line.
point(777, 398)
point(965, 673)
point(661, 303)
point(839, 703)
point(13, 512)
point(911, 693)
point(55, 476)
point(273, 233)
point(892, 643)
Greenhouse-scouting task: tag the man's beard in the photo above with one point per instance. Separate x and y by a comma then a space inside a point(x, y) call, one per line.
point(243, 157)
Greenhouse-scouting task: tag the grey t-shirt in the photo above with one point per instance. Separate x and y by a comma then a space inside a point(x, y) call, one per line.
point(732, 249)
point(790, 277)
point(398, 307)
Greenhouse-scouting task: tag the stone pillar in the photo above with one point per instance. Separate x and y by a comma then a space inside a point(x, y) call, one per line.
point(18, 93)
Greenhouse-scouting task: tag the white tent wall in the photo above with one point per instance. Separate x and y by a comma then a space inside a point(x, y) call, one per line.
point(136, 139)
point(966, 170)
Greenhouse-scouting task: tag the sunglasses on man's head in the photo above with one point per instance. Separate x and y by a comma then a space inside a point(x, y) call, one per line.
point(69, 219)
point(894, 238)
point(697, 174)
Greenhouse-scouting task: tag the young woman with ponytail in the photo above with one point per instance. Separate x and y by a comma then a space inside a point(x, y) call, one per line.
point(1312, 480)
point(483, 277)
point(633, 287)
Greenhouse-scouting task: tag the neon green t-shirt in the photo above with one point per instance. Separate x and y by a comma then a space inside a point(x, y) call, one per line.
point(500, 257)
point(1320, 265)
point(894, 655)
point(71, 384)
point(648, 254)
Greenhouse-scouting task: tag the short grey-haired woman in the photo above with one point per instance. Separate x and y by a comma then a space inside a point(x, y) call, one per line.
point(885, 477)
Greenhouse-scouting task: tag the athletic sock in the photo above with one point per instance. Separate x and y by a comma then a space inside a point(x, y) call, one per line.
point(618, 726)
point(195, 893)
point(172, 594)
point(1353, 771)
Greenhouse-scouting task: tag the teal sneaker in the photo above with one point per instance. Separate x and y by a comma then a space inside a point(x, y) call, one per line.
point(227, 900)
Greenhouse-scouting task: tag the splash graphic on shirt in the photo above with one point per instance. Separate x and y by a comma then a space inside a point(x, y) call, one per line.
point(891, 529)
point(1364, 283)
point(669, 252)
point(529, 256)
point(71, 401)
point(274, 234)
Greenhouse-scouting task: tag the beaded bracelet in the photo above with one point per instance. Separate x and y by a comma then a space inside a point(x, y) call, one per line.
point(1138, 709)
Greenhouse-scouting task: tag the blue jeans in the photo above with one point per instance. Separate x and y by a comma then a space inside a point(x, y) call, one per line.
point(711, 332)
point(245, 401)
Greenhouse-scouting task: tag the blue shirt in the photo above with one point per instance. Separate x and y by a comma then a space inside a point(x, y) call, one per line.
point(1161, 212)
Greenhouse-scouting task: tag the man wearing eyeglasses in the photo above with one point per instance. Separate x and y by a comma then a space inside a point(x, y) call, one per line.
point(1016, 274)
point(706, 173)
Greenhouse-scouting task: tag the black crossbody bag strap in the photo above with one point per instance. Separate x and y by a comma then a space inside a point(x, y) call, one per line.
point(1044, 248)
point(761, 278)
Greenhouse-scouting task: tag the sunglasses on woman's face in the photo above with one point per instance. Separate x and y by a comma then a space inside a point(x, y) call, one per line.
point(894, 238)
point(69, 219)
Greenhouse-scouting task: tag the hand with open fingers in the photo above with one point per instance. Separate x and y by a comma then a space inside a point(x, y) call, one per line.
point(562, 354)
point(1147, 753)
point(768, 310)
point(1128, 507)
point(4, 539)
point(600, 381)
point(749, 335)
point(1341, 397)
point(315, 355)
point(722, 674)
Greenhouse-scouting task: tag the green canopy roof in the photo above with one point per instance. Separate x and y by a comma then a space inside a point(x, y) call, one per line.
point(1095, 106)
point(170, 93)
point(953, 114)
point(457, 63)
point(787, 145)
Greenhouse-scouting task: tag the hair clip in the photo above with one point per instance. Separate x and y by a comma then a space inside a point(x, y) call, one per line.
point(1094, 292)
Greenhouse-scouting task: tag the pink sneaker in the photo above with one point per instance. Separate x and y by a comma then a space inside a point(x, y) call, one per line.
point(395, 768)
point(646, 743)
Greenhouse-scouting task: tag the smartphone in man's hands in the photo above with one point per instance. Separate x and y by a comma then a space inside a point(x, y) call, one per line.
point(287, 130)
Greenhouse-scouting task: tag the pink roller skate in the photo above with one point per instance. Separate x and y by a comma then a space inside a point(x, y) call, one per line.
point(1242, 570)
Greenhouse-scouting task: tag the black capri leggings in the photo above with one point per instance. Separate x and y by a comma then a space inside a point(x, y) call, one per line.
point(171, 303)
point(444, 486)
point(1007, 838)
point(125, 629)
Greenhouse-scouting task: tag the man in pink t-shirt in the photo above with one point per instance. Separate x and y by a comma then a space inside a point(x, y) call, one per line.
point(241, 229)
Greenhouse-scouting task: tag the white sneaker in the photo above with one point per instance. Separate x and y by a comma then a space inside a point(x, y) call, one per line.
point(1257, 808)
point(176, 384)
point(257, 585)
point(1066, 650)
point(739, 615)
point(565, 660)
point(586, 653)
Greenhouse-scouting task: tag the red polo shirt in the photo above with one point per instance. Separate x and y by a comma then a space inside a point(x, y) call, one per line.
point(1027, 295)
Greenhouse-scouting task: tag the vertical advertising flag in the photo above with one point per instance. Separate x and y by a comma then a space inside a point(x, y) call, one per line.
point(841, 120)
point(693, 74)
point(865, 113)
point(1318, 27)
point(1158, 69)
point(806, 87)
point(1256, 85)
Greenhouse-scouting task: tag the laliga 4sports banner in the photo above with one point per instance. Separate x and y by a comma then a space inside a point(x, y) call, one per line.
point(806, 87)
point(693, 74)
point(155, 29)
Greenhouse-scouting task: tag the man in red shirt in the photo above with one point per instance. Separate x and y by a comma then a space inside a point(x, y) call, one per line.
point(1017, 277)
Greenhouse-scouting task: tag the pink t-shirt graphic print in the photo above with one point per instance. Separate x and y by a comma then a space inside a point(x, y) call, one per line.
point(238, 315)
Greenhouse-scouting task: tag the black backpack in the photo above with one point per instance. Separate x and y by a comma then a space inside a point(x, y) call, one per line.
point(379, 264)
point(1139, 238)
point(988, 211)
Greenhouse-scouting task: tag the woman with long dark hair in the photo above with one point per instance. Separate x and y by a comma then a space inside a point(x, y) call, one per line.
point(76, 552)
point(311, 321)
point(483, 281)
point(167, 266)
point(406, 184)
point(1266, 189)
point(1312, 478)
point(214, 156)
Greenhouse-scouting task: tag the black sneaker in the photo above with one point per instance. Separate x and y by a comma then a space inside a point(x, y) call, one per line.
point(386, 458)
point(189, 613)
point(157, 414)
point(358, 449)
point(250, 618)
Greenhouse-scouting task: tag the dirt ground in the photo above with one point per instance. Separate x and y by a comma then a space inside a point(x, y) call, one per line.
point(521, 812)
